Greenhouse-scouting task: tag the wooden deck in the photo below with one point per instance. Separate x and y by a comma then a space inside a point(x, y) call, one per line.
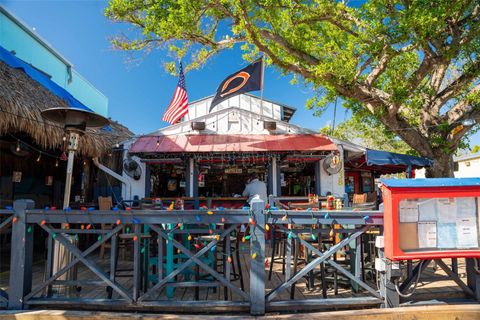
point(434, 284)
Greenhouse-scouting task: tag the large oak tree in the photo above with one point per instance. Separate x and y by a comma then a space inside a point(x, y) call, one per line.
point(411, 65)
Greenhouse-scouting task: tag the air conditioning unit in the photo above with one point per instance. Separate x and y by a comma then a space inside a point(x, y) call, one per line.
point(269, 125)
point(198, 126)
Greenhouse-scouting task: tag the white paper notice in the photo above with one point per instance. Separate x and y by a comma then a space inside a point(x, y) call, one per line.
point(427, 209)
point(408, 211)
point(447, 235)
point(467, 234)
point(466, 208)
point(427, 234)
point(447, 210)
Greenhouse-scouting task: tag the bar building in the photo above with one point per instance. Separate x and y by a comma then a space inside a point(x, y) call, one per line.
point(209, 156)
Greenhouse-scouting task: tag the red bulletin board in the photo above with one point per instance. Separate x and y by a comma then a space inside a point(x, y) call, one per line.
point(431, 218)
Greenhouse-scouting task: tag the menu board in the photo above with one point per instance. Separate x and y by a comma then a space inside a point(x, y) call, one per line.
point(439, 223)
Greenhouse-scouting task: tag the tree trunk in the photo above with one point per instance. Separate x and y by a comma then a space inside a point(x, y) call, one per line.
point(442, 167)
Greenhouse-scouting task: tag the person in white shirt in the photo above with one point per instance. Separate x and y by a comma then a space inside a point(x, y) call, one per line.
point(255, 189)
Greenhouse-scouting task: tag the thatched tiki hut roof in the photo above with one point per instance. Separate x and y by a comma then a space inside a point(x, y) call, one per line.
point(21, 101)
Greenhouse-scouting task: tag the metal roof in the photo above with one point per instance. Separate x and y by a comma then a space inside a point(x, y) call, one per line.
point(232, 143)
point(287, 112)
point(236, 109)
point(467, 157)
point(431, 182)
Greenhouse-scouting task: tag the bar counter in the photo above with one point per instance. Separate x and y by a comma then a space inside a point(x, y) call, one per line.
point(209, 202)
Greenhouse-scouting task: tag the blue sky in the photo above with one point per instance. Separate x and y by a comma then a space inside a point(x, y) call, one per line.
point(138, 88)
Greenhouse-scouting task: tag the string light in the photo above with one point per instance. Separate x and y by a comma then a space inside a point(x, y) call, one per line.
point(56, 162)
point(39, 157)
point(18, 146)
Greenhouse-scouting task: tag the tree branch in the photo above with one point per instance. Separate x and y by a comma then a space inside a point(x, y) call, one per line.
point(408, 133)
point(457, 85)
point(249, 28)
point(299, 54)
point(380, 67)
point(362, 68)
point(439, 74)
point(462, 109)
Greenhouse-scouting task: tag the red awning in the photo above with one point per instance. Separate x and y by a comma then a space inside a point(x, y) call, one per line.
point(232, 143)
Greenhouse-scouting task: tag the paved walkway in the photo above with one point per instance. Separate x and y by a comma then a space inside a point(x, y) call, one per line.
point(437, 312)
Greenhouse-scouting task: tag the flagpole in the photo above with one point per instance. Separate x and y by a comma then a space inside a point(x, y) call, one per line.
point(261, 85)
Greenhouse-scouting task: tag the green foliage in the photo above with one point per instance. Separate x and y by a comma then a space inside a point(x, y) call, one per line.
point(369, 133)
point(411, 65)
point(475, 149)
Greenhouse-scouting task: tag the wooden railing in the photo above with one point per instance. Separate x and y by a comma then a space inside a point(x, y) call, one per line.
point(159, 232)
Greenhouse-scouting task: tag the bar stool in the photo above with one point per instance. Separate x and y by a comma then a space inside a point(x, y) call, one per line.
point(221, 263)
point(277, 244)
point(278, 240)
point(124, 237)
point(170, 261)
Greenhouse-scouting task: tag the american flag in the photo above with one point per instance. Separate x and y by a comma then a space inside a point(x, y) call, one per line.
point(178, 107)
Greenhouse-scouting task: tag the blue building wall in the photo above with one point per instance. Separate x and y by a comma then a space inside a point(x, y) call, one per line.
point(17, 37)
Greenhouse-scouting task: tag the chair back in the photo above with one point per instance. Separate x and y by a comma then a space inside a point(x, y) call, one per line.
point(105, 203)
point(359, 198)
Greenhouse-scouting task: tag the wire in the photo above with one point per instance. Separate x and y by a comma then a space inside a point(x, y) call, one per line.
point(414, 287)
point(43, 153)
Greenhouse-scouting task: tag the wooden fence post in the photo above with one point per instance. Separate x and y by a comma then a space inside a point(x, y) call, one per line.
point(21, 256)
point(473, 277)
point(257, 262)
